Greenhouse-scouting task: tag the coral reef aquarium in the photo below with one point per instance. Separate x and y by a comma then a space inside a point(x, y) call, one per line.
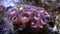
point(29, 16)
